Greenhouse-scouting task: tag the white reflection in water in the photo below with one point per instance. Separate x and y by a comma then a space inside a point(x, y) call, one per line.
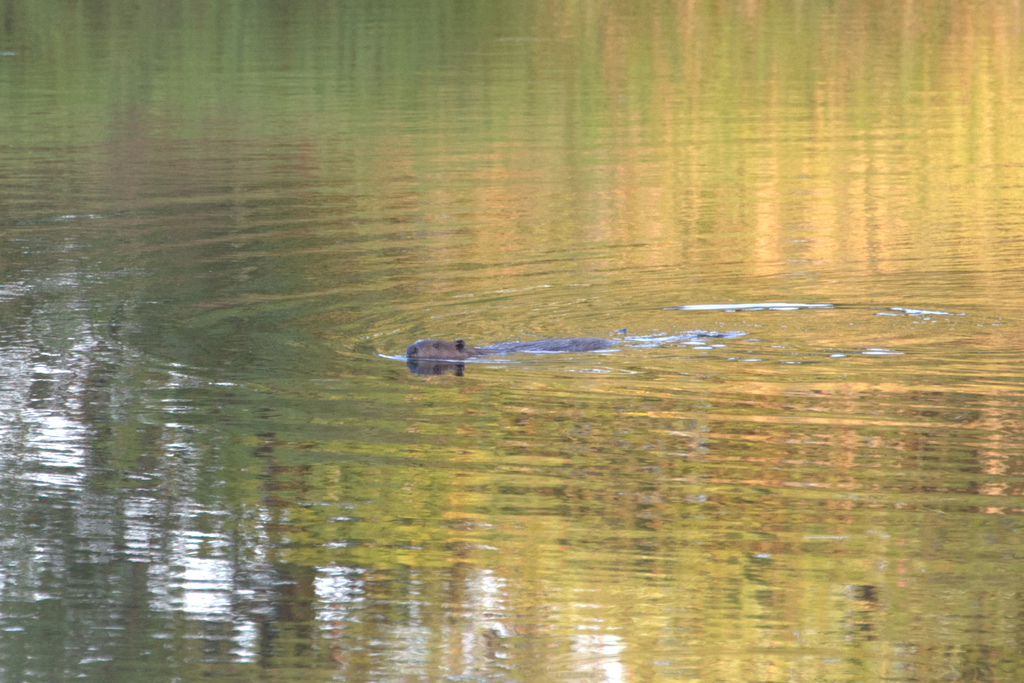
point(140, 514)
point(39, 402)
point(694, 338)
point(775, 306)
point(917, 311)
point(336, 589)
point(246, 640)
point(11, 290)
point(476, 634)
point(59, 454)
point(598, 656)
point(207, 585)
point(195, 577)
point(484, 611)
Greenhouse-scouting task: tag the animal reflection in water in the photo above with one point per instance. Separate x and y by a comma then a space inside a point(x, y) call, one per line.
point(435, 367)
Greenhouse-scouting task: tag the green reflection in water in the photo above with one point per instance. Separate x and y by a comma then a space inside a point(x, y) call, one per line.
point(217, 215)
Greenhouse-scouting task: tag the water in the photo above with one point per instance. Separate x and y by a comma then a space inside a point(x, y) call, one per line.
point(222, 223)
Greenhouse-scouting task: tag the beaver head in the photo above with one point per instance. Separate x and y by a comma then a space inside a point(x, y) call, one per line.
point(439, 349)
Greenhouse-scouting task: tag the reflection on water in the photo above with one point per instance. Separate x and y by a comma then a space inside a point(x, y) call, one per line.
point(730, 308)
point(220, 230)
point(435, 367)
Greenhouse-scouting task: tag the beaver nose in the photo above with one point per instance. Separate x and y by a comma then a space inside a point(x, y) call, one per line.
point(411, 351)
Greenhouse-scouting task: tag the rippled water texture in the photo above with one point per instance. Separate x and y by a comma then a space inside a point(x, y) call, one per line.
point(221, 224)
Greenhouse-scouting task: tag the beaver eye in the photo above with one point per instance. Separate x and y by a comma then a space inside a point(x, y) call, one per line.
point(436, 345)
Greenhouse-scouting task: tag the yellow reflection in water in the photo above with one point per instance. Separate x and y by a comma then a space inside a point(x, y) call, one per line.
point(572, 168)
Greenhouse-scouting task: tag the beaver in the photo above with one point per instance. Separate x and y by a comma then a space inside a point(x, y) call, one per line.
point(440, 349)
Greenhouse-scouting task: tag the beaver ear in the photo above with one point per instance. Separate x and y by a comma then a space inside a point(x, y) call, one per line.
point(459, 344)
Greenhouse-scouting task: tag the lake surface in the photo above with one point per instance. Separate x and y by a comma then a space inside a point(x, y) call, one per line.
point(221, 223)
